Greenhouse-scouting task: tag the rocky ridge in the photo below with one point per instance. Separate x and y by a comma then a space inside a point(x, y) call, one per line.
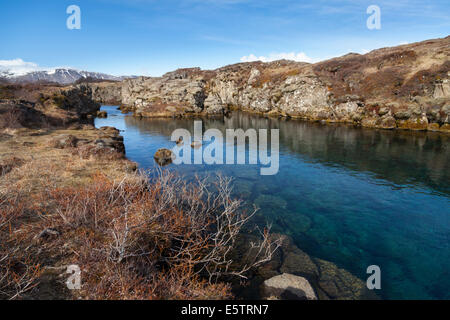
point(63, 76)
point(404, 87)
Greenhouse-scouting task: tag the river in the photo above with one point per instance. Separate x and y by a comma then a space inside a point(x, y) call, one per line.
point(356, 197)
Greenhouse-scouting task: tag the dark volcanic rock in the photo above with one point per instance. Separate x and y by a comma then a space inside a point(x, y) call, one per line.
point(327, 280)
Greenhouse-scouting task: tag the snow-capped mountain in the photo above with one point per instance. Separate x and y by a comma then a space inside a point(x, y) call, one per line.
point(59, 75)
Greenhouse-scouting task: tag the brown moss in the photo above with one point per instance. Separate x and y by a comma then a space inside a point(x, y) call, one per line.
point(412, 124)
point(445, 128)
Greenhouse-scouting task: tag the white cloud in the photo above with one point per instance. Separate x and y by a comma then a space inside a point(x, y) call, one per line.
point(300, 57)
point(18, 67)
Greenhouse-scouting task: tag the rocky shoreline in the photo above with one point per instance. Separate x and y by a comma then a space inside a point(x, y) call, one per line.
point(405, 87)
point(54, 125)
point(291, 268)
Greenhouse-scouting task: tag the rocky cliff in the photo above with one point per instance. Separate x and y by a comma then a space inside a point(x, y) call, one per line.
point(404, 87)
point(109, 93)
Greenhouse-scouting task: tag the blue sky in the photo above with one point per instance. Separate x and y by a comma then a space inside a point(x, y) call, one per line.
point(151, 37)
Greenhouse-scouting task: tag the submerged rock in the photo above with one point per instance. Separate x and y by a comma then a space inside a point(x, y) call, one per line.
point(268, 201)
point(243, 188)
point(298, 262)
point(327, 280)
point(337, 283)
point(180, 142)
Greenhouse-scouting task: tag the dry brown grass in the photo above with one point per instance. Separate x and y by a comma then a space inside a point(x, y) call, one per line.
point(132, 238)
point(388, 74)
point(42, 160)
point(19, 269)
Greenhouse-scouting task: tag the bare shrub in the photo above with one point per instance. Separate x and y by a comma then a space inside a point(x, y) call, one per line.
point(167, 239)
point(19, 271)
point(11, 119)
point(9, 164)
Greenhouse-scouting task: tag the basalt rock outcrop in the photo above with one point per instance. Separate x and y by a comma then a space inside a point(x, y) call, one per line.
point(109, 93)
point(38, 106)
point(405, 87)
point(175, 94)
point(107, 145)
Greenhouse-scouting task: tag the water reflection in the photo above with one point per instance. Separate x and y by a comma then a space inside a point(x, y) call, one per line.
point(401, 157)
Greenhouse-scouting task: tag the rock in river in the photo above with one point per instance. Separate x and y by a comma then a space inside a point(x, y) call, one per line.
point(164, 157)
point(102, 114)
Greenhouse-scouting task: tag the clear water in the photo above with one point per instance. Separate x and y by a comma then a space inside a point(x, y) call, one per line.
point(352, 196)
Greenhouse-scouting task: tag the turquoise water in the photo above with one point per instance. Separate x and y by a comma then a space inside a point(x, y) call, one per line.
point(352, 196)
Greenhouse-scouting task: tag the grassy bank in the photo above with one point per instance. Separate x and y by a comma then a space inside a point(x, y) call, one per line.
point(132, 238)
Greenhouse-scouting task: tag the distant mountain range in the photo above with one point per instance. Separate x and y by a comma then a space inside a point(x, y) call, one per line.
point(61, 76)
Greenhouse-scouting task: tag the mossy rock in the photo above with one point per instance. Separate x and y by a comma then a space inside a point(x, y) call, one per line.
point(340, 284)
point(433, 127)
point(63, 141)
point(301, 222)
point(445, 128)
point(418, 124)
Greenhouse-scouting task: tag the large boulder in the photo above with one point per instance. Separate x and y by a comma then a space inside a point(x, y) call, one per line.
point(288, 287)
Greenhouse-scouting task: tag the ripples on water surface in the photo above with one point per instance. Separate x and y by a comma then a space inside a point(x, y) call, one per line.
point(352, 196)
